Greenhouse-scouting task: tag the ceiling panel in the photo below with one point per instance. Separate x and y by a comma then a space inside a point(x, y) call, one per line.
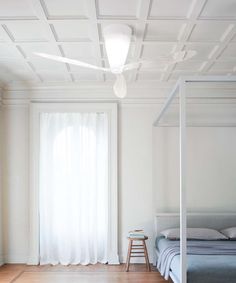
point(1, 36)
point(149, 76)
point(189, 65)
point(54, 76)
point(229, 52)
point(9, 52)
point(69, 9)
point(80, 50)
point(72, 30)
point(164, 30)
point(209, 31)
point(44, 64)
point(177, 74)
point(155, 65)
point(203, 50)
point(170, 8)
point(218, 73)
point(154, 51)
point(219, 9)
point(28, 49)
point(16, 9)
point(118, 9)
point(20, 31)
point(234, 38)
point(223, 65)
point(86, 75)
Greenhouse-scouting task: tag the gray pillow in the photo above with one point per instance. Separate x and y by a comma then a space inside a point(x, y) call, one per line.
point(194, 234)
point(230, 233)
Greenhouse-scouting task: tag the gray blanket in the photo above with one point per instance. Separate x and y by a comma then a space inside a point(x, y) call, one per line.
point(193, 248)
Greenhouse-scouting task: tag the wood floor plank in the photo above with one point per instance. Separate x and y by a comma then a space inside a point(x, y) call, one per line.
point(9, 272)
point(98, 273)
point(93, 277)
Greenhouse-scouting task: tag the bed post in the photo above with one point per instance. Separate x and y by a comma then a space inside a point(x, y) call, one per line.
point(182, 184)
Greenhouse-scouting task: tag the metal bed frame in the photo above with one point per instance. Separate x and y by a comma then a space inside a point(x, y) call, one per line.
point(180, 88)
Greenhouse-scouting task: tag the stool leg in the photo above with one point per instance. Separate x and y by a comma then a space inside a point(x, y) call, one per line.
point(146, 256)
point(128, 255)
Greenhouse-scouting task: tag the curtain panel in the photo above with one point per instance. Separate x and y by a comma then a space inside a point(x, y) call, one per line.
point(73, 188)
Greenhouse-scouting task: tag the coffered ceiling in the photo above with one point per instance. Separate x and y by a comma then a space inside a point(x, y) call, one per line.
point(73, 28)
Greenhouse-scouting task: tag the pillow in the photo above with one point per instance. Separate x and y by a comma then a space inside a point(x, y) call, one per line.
point(194, 234)
point(230, 233)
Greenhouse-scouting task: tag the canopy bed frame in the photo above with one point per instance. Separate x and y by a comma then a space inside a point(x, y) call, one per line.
point(180, 88)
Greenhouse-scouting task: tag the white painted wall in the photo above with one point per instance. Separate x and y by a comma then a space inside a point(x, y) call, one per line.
point(138, 198)
point(15, 182)
point(135, 177)
point(211, 165)
point(135, 172)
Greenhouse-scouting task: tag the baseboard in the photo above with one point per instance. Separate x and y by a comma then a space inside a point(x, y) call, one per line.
point(15, 258)
point(32, 261)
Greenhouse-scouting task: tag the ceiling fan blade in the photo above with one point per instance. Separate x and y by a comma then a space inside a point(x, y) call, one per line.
point(71, 61)
point(147, 63)
point(184, 55)
point(135, 65)
point(169, 59)
point(190, 54)
point(144, 64)
point(120, 86)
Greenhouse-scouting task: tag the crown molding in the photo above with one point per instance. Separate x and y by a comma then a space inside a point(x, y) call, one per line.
point(108, 85)
point(101, 95)
point(122, 103)
point(139, 93)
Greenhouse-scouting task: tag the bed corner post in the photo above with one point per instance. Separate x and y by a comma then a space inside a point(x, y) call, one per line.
point(182, 187)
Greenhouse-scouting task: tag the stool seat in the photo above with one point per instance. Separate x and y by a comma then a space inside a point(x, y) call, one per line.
point(137, 239)
point(137, 250)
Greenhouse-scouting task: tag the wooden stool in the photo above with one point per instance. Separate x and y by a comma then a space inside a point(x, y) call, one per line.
point(137, 250)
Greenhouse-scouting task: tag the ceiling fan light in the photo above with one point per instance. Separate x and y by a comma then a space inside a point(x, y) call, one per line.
point(117, 39)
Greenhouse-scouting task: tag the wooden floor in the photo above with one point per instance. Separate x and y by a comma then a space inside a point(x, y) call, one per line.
point(78, 274)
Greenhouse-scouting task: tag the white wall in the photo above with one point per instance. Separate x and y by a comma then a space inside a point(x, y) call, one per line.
point(138, 198)
point(211, 165)
point(135, 172)
point(15, 181)
point(135, 177)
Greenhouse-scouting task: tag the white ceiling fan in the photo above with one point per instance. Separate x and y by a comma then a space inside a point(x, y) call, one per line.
point(117, 39)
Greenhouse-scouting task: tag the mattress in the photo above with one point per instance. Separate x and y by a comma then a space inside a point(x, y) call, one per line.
point(203, 268)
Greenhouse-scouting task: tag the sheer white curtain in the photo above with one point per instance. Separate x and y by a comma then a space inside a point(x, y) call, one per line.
point(73, 188)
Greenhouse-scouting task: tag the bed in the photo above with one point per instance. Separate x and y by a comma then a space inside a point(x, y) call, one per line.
point(180, 92)
point(215, 263)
